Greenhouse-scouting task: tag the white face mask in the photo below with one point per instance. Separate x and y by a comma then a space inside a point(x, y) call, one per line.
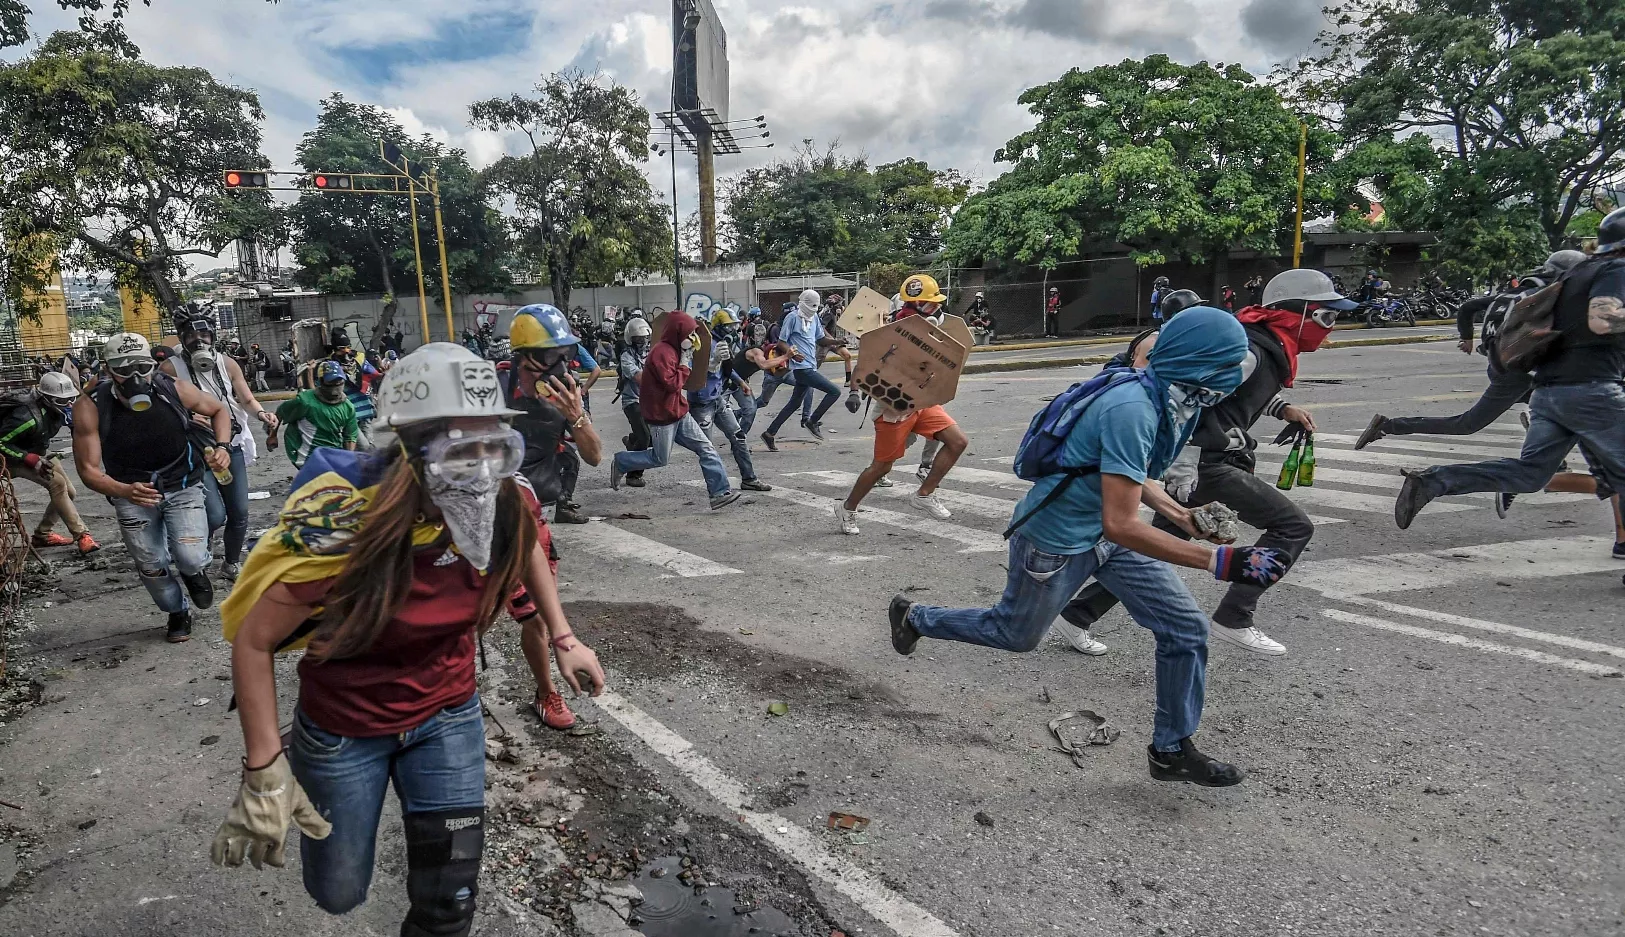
point(469, 508)
point(1186, 400)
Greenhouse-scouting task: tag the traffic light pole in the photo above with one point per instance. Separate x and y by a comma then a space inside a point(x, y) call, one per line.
point(417, 254)
point(445, 273)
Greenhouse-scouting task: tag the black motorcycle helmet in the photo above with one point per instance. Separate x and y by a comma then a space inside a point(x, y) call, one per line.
point(1178, 301)
point(1611, 233)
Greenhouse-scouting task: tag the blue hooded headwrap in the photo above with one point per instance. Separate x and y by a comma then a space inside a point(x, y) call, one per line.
point(1201, 347)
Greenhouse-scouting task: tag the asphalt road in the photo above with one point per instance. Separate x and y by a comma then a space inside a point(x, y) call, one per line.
point(1110, 348)
point(1436, 755)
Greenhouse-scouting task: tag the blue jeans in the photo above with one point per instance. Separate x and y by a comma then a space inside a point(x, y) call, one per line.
point(176, 530)
point(771, 384)
point(228, 507)
point(747, 407)
point(685, 433)
point(1040, 584)
point(440, 765)
point(807, 380)
point(1560, 415)
point(718, 412)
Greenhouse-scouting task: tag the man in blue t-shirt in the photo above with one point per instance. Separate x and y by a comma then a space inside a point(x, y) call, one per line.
point(1131, 431)
point(802, 331)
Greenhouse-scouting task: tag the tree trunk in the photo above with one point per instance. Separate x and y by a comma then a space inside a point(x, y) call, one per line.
point(387, 317)
point(1221, 275)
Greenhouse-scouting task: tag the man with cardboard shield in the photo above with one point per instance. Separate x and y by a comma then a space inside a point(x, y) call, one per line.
point(909, 369)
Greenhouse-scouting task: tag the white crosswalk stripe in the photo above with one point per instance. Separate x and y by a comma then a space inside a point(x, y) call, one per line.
point(1403, 572)
point(1417, 445)
point(609, 541)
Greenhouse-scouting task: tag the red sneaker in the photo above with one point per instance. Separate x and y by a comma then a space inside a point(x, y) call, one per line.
point(555, 712)
point(87, 544)
point(52, 539)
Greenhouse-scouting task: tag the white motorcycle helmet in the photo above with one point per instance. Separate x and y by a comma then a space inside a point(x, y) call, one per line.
point(440, 381)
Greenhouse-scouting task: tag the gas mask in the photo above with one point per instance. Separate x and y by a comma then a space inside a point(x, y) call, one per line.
point(133, 385)
point(463, 473)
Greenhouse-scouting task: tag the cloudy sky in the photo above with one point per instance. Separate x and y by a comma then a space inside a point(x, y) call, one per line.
point(933, 79)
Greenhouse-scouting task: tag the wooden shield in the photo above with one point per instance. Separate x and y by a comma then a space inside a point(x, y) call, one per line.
point(910, 364)
point(702, 357)
point(957, 330)
point(866, 312)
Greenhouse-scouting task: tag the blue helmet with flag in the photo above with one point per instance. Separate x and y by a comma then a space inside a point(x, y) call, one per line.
point(539, 326)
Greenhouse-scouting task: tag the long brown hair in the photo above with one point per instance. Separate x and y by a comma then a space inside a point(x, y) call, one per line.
point(377, 576)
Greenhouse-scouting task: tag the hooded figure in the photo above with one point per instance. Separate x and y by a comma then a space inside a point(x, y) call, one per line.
point(660, 389)
point(1195, 362)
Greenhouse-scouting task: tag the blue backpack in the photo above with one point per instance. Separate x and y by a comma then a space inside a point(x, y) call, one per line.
point(1039, 455)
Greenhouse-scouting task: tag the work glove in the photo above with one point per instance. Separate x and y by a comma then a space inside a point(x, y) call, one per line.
point(1180, 479)
point(1260, 566)
point(686, 356)
point(256, 826)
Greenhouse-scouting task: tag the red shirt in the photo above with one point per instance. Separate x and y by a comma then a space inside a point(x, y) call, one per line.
point(421, 663)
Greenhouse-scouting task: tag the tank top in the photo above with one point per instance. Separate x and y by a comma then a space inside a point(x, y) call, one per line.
point(216, 384)
point(138, 446)
point(744, 368)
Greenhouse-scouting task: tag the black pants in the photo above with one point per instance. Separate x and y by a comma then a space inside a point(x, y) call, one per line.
point(1052, 325)
point(1506, 389)
point(1259, 504)
point(640, 430)
point(569, 473)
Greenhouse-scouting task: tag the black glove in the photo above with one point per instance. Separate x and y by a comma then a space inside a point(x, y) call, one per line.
point(1290, 434)
point(1260, 566)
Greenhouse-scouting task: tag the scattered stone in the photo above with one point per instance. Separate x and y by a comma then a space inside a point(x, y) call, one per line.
point(982, 819)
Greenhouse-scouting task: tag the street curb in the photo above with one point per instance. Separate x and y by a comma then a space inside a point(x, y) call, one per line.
point(1118, 339)
point(1039, 364)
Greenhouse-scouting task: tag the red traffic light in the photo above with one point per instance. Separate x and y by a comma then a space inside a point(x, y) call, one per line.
point(242, 179)
point(328, 182)
point(234, 178)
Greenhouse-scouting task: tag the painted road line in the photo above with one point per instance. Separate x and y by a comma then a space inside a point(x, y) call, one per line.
point(1444, 637)
point(1403, 572)
point(607, 540)
point(796, 842)
point(1394, 481)
point(974, 541)
point(1405, 442)
point(1428, 614)
point(1370, 504)
point(980, 505)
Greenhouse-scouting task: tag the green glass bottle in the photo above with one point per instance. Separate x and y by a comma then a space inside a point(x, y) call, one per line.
point(1289, 471)
point(1306, 464)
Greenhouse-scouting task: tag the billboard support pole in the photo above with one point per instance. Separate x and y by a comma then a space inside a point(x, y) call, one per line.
point(708, 198)
point(417, 257)
point(445, 274)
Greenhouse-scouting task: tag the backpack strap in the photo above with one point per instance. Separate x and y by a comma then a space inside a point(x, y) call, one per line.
point(1071, 475)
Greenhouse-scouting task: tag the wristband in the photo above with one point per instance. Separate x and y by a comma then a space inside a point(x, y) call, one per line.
point(579, 420)
point(555, 641)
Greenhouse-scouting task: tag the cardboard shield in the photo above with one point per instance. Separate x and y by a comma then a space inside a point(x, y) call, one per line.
point(866, 312)
point(909, 365)
point(702, 357)
point(957, 330)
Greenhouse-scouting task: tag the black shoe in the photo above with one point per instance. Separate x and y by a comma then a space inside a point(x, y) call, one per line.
point(903, 635)
point(572, 505)
point(803, 422)
point(817, 430)
point(1414, 495)
point(633, 480)
point(852, 402)
point(1373, 432)
point(755, 484)
point(626, 442)
point(615, 475)
point(767, 440)
point(565, 515)
point(1188, 764)
point(180, 627)
point(199, 588)
point(1619, 551)
point(1503, 502)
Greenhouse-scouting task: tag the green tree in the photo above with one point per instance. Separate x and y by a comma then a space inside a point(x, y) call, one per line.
point(1520, 100)
point(1173, 161)
point(363, 243)
point(583, 210)
point(118, 163)
point(824, 210)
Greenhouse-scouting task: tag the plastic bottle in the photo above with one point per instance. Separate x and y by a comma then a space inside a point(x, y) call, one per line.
point(1306, 464)
point(1289, 470)
point(223, 476)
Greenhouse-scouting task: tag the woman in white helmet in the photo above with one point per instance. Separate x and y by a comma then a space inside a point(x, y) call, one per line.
point(390, 564)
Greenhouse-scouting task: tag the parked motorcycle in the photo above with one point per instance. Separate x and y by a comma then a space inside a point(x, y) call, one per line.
point(1384, 311)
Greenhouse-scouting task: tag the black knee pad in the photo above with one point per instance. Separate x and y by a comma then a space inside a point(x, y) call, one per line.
point(443, 869)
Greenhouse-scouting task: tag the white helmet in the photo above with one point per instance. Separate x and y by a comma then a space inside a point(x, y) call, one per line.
point(123, 346)
point(1304, 284)
point(440, 381)
point(637, 328)
point(57, 388)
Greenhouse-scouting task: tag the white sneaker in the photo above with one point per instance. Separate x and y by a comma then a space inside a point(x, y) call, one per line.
point(846, 520)
point(1081, 640)
point(930, 505)
point(884, 482)
point(1250, 638)
point(922, 471)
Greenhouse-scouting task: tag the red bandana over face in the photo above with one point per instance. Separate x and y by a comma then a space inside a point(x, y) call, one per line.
point(1297, 332)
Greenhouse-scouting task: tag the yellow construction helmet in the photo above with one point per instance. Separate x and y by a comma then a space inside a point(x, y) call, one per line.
point(723, 317)
point(922, 288)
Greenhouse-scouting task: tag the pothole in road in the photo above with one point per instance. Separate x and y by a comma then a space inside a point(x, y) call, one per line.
point(678, 903)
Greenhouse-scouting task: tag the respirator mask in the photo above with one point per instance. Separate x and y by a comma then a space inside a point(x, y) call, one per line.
point(133, 384)
point(463, 473)
point(331, 392)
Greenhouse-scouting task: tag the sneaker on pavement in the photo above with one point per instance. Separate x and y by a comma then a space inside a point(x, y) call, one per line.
point(1414, 495)
point(87, 544)
point(199, 588)
point(633, 480)
point(884, 482)
point(180, 627)
point(52, 539)
point(1192, 766)
point(615, 474)
point(1250, 638)
point(768, 441)
point(726, 498)
point(1523, 417)
point(231, 571)
point(1503, 502)
point(755, 484)
point(1619, 551)
point(903, 635)
point(817, 430)
point(555, 712)
point(846, 520)
point(1081, 640)
point(1373, 432)
point(930, 505)
point(568, 515)
point(922, 471)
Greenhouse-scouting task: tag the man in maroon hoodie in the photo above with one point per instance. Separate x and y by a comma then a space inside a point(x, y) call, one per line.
point(664, 406)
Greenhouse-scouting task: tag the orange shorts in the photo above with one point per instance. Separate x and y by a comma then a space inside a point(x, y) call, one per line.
point(891, 439)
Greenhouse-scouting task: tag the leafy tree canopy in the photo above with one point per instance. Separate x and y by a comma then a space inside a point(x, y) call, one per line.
point(583, 210)
point(1174, 161)
point(823, 210)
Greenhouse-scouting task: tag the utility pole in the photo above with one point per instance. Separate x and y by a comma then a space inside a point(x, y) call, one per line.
point(445, 274)
point(708, 196)
point(1297, 233)
point(417, 256)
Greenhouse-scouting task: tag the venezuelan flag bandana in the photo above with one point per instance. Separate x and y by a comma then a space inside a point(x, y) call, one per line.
point(326, 506)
